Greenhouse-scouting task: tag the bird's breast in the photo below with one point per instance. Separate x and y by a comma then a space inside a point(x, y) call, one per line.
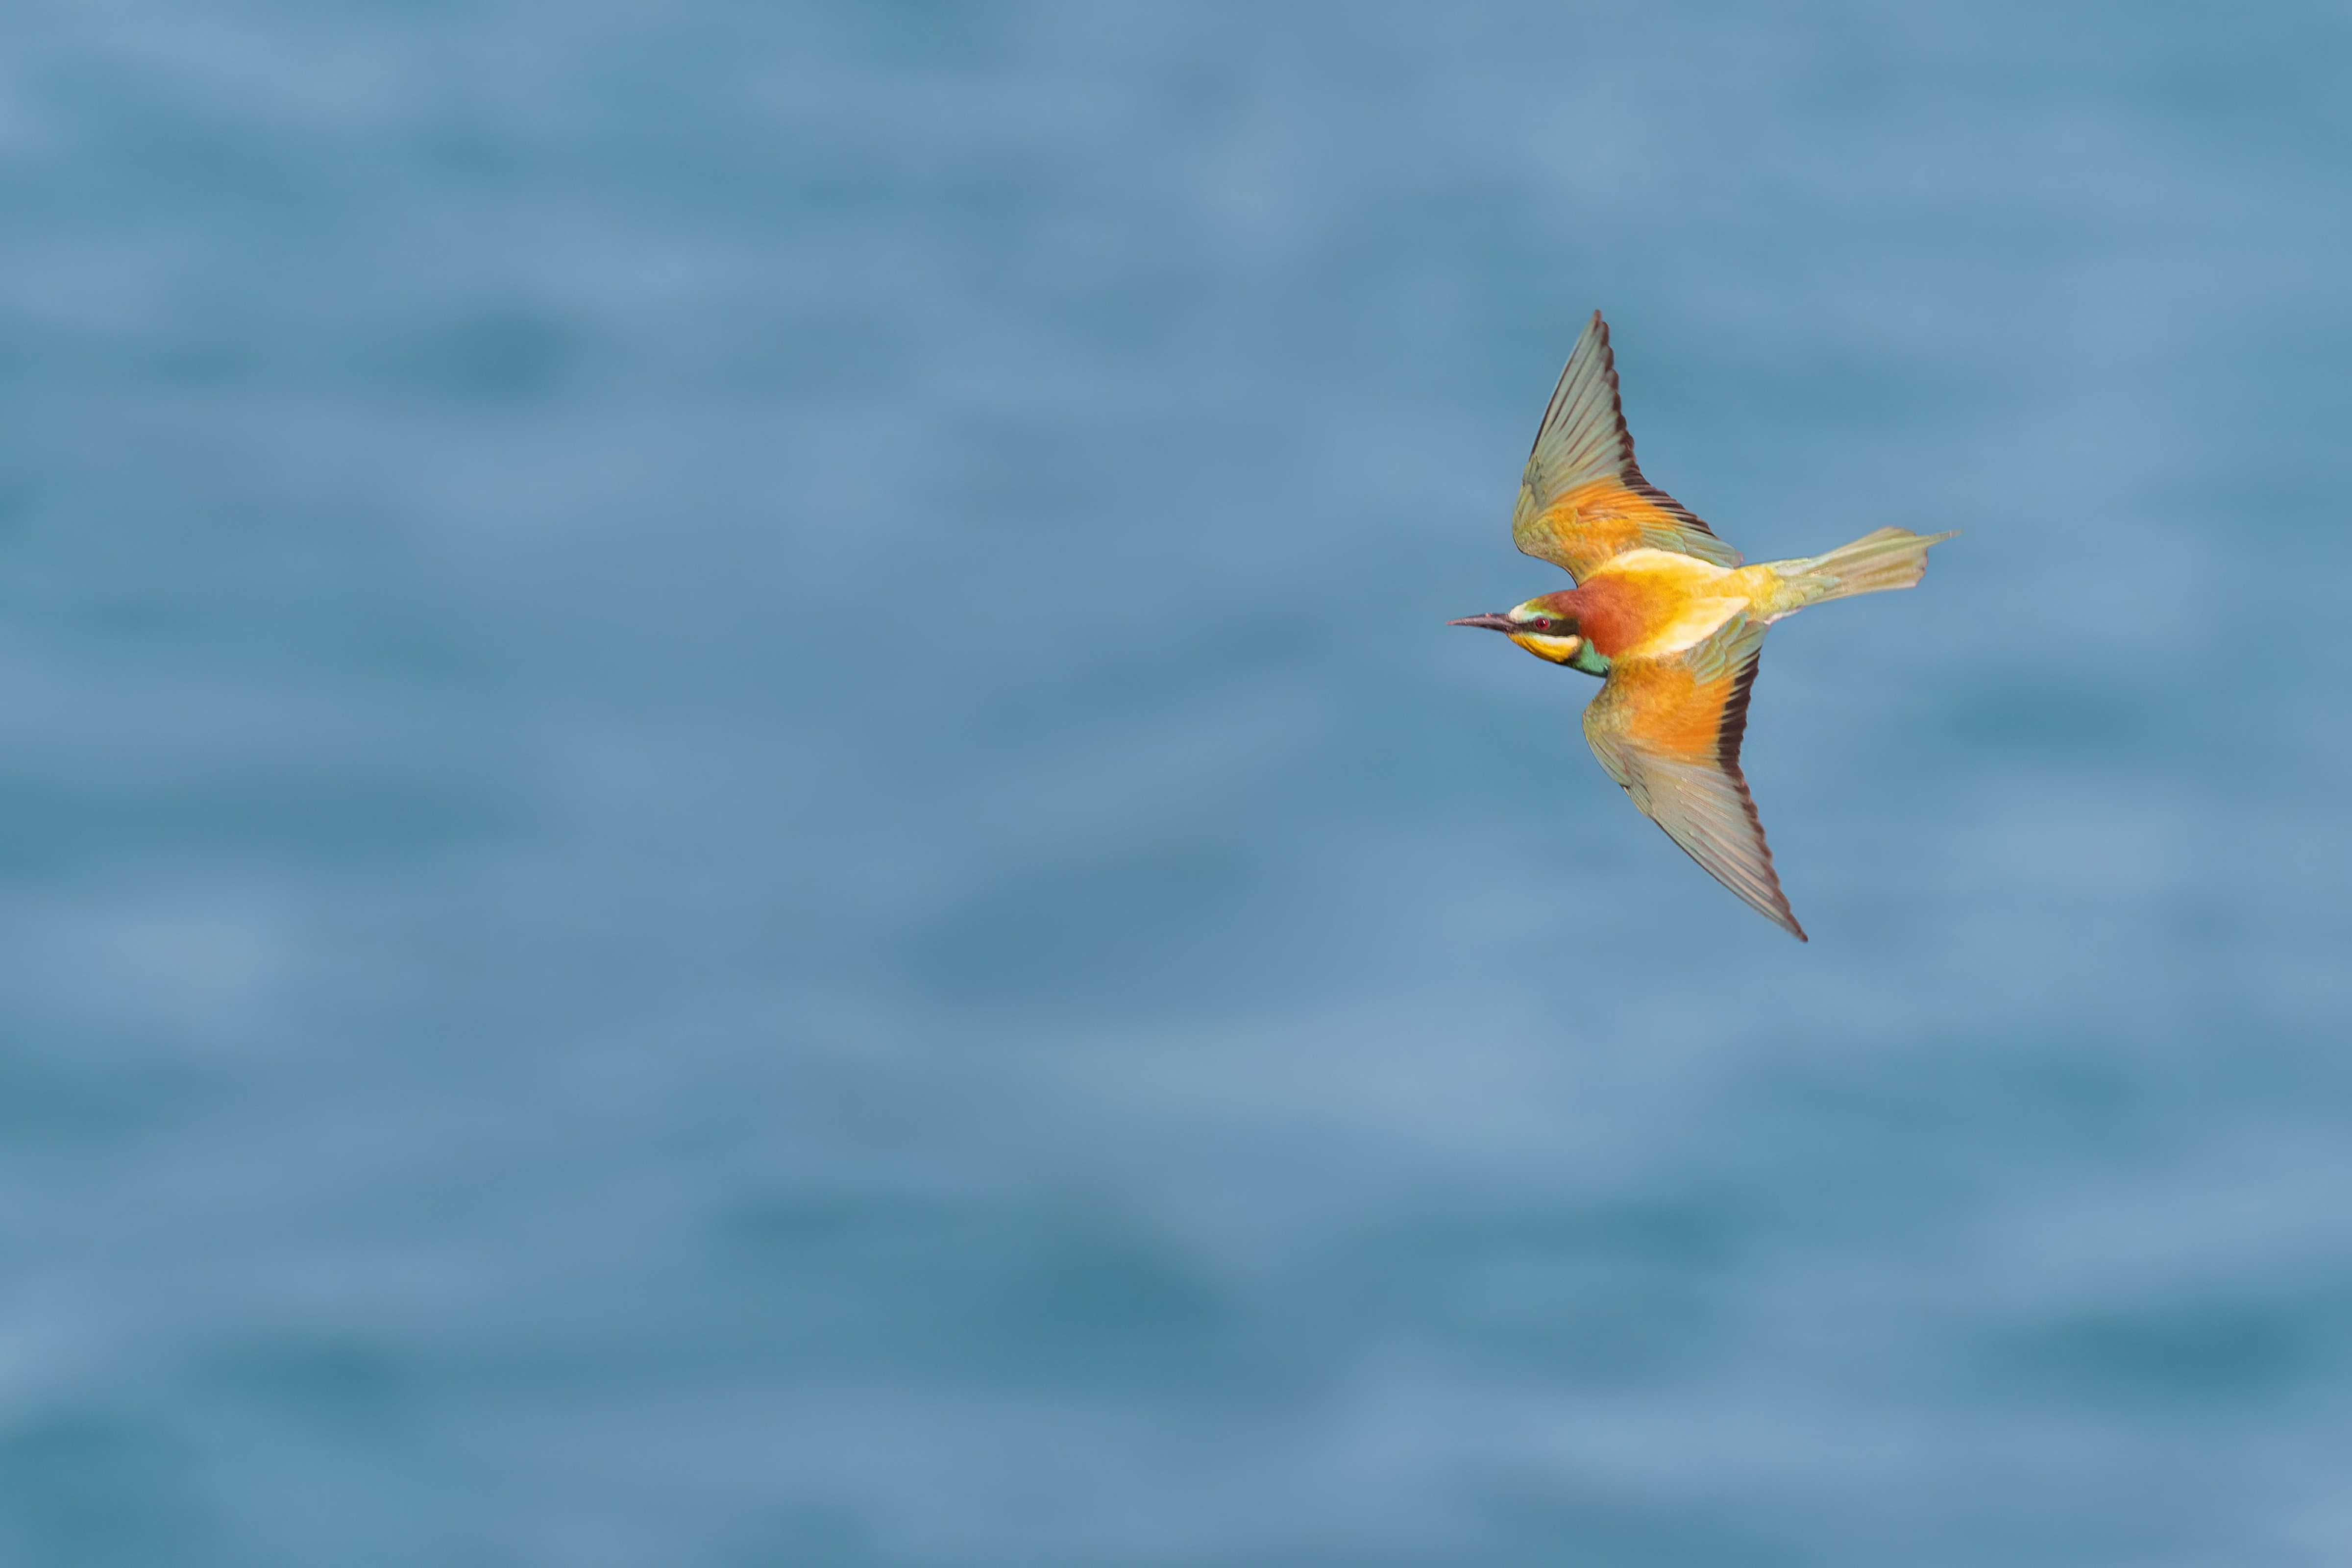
point(1653, 602)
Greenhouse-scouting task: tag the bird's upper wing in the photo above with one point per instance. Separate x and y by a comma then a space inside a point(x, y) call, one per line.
point(1668, 729)
point(1583, 500)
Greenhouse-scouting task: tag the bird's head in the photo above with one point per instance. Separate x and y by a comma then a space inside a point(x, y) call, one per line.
point(1545, 628)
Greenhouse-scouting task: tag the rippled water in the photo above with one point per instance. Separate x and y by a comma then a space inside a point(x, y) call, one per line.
point(738, 830)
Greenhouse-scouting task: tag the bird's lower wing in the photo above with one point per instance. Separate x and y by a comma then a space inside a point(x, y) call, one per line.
point(1668, 730)
point(1582, 499)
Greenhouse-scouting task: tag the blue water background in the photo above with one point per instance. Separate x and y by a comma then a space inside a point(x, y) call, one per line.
point(738, 831)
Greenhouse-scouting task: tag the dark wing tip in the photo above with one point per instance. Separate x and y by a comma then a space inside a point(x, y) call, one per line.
point(1628, 470)
point(1599, 330)
point(1729, 731)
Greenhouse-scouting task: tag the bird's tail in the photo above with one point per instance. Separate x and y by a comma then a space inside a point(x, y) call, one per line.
point(1889, 558)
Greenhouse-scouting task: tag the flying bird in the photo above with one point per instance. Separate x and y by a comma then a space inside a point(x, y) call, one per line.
point(1666, 615)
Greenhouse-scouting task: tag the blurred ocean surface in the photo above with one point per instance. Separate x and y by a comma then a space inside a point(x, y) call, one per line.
point(738, 831)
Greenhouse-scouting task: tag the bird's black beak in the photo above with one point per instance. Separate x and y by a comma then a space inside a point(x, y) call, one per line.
point(1492, 623)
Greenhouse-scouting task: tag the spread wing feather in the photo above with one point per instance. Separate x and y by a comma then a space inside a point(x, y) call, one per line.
point(1668, 730)
point(1582, 499)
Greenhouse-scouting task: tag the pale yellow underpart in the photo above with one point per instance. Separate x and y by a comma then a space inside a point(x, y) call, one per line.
point(1698, 620)
point(1773, 594)
point(1712, 594)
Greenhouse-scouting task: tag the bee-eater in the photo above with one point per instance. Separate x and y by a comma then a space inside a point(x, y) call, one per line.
point(1664, 611)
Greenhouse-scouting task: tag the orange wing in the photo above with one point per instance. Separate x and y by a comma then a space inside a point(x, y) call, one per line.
point(1668, 730)
point(1582, 499)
